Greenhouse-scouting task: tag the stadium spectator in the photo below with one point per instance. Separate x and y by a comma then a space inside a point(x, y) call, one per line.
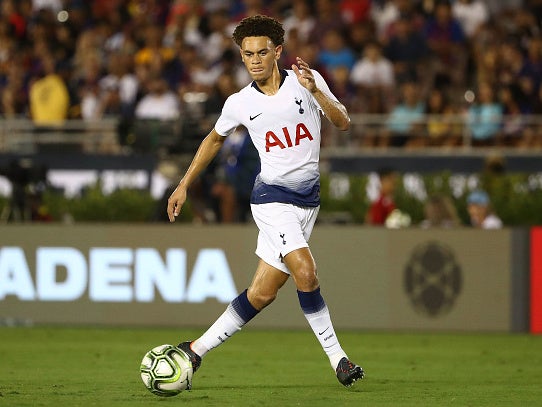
point(359, 35)
point(439, 212)
point(532, 64)
point(509, 63)
point(89, 57)
point(335, 52)
point(13, 92)
point(119, 87)
point(11, 15)
point(407, 50)
point(441, 129)
point(471, 14)
point(229, 64)
point(48, 96)
point(89, 98)
point(111, 95)
point(373, 70)
point(384, 205)
point(176, 71)
point(301, 20)
point(201, 76)
point(216, 38)
point(499, 7)
point(120, 37)
point(328, 17)
point(154, 48)
point(52, 5)
point(486, 61)
point(384, 13)
point(387, 16)
point(156, 115)
point(485, 117)
point(447, 44)
point(159, 103)
point(374, 77)
point(145, 12)
point(480, 211)
point(355, 11)
point(225, 86)
point(513, 123)
point(294, 47)
point(405, 119)
point(521, 26)
point(7, 44)
point(343, 88)
point(183, 22)
point(117, 93)
point(248, 8)
point(535, 6)
point(532, 136)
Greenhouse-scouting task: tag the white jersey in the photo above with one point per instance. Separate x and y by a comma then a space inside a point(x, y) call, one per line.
point(285, 129)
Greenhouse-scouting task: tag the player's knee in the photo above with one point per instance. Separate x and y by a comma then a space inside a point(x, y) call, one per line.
point(261, 299)
point(306, 278)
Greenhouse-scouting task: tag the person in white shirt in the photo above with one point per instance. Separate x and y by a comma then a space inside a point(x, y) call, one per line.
point(159, 103)
point(301, 20)
point(471, 14)
point(373, 70)
point(479, 208)
point(281, 109)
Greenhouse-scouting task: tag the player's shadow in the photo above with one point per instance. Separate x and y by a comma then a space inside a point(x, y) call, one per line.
point(278, 387)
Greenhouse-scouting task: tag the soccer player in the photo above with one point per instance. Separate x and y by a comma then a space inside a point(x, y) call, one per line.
point(281, 110)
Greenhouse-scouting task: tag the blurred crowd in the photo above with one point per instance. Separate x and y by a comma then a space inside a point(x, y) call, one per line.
point(141, 60)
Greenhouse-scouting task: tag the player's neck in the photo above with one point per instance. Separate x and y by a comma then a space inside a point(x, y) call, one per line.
point(271, 85)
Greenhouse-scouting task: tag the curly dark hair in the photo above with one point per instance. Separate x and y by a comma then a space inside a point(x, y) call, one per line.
point(259, 26)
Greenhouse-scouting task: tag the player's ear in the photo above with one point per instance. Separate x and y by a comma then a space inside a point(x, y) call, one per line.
point(242, 55)
point(278, 51)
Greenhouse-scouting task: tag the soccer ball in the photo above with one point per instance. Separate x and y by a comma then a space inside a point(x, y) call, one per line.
point(166, 371)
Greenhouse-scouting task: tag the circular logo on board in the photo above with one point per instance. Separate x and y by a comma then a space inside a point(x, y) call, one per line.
point(433, 279)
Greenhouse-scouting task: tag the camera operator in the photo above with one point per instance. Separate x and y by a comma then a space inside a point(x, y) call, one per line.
point(28, 183)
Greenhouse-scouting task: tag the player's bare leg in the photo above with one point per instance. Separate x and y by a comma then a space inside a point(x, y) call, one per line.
point(303, 269)
point(265, 285)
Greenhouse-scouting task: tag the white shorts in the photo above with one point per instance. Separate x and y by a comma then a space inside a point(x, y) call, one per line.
point(283, 229)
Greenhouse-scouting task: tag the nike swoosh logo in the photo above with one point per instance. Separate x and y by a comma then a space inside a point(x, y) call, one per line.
point(253, 117)
point(324, 331)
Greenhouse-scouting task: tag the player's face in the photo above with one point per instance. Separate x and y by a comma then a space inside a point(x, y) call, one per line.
point(260, 55)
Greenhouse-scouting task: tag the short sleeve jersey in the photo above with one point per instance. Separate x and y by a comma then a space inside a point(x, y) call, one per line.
point(285, 129)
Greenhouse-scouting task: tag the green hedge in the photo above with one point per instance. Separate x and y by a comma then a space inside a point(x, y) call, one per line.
point(122, 205)
point(517, 199)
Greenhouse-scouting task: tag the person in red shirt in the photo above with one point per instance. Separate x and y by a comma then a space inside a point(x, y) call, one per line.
point(385, 204)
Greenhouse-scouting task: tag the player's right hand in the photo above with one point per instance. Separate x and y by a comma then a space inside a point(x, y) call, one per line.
point(175, 203)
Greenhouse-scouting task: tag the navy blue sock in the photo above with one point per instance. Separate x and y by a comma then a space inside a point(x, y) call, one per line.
point(311, 302)
point(243, 307)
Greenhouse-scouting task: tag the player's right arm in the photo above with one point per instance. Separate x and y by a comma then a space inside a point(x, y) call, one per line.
point(207, 150)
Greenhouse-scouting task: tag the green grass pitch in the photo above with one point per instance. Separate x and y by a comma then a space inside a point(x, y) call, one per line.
point(57, 366)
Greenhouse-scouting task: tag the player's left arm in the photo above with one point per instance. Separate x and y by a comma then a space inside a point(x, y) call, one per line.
point(333, 109)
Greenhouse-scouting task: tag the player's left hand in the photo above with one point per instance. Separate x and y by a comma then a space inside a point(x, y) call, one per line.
point(304, 75)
